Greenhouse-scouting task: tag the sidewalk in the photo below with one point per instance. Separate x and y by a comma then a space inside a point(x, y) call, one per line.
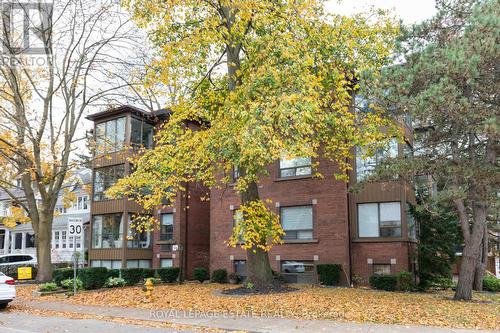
point(244, 322)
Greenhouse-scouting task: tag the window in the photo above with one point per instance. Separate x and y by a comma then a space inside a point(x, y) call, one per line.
point(142, 133)
point(381, 269)
point(105, 178)
point(56, 239)
point(63, 239)
point(18, 241)
point(107, 231)
point(137, 239)
point(110, 136)
point(366, 164)
point(61, 210)
point(140, 263)
point(410, 220)
point(297, 222)
point(30, 240)
point(238, 218)
point(379, 219)
point(166, 263)
point(235, 174)
point(167, 227)
point(81, 203)
point(295, 167)
point(109, 264)
point(297, 271)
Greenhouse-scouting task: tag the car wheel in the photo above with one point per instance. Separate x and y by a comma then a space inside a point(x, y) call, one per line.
point(3, 305)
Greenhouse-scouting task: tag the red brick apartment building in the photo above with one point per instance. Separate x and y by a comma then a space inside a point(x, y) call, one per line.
point(368, 232)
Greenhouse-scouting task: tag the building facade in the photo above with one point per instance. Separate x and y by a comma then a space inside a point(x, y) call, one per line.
point(21, 239)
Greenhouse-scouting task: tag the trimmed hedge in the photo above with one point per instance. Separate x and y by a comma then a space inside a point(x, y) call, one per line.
point(201, 274)
point(384, 282)
point(93, 277)
point(219, 276)
point(329, 274)
point(113, 273)
point(148, 273)
point(405, 281)
point(61, 274)
point(168, 274)
point(491, 283)
point(132, 276)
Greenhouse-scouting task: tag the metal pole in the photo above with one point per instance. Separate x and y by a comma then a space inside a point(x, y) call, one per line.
point(74, 265)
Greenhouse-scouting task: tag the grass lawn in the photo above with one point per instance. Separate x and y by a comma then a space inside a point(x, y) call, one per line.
point(340, 304)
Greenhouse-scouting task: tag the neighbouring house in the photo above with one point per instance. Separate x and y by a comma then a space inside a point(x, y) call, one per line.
point(182, 238)
point(21, 239)
point(368, 232)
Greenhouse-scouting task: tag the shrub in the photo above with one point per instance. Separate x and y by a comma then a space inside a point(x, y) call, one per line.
point(384, 282)
point(442, 283)
point(491, 283)
point(234, 276)
point(49, 286)
point(60, 274)
point(114, 282)
point(113, 273)
point(200, 274)
point(93, 277)
point(132, 276)
point(329, 274)
point(148, 273)
point(219, 276)
point(168, 274)
point(68, 284)
point(405, 281)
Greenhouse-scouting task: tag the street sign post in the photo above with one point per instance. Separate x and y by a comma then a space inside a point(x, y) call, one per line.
point(75, 229)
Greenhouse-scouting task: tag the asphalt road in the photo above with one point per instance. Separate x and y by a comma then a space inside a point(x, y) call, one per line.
point(18, 322)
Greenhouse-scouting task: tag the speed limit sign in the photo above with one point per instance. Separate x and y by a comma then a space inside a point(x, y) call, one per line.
point(75, 227)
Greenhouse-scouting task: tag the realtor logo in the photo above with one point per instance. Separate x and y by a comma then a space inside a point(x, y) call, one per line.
point(26, 27)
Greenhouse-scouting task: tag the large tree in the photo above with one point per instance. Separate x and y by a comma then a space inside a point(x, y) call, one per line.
point(447, 80)
point(61, 60)
point(262, 79)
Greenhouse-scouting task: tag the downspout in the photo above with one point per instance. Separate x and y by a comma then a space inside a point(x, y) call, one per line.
point(349, 229)
point(186, 220)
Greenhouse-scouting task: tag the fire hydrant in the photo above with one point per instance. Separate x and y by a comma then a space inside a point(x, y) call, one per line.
point(148, 290)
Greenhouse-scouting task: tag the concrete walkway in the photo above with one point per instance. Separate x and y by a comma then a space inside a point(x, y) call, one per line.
point(242, 321)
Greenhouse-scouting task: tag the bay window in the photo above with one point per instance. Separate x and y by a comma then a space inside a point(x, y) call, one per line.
point(141, 133)
point(105, 178)
point(379, 219)
point(297, 222)
point(135, 238)
point(107, 231)
point(110, 136)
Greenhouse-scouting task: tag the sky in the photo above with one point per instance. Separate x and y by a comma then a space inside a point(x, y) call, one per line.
point(409, 11)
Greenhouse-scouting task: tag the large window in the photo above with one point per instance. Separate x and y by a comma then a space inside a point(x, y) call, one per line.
point(139, 263)
point(295, 167)
point(166, 263)
point(107, 231)
point(110, 136)
point(167, 227)
point(81, 203)
point(379, 219)
point(381, 269)
point(410, 221)
point(135, 238)
point(109, 264)
point(30, 240)
point(297, 222)
point(366, 164)
point(105, 178)
point(240, 268)
point(142, 133)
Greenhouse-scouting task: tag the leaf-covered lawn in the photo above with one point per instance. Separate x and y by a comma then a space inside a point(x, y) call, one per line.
point(341, 304)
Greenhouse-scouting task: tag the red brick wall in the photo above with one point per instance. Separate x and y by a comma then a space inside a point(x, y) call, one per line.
point(330, 234)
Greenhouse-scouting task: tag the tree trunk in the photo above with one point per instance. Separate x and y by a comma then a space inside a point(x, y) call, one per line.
point(43, 238)
point(482, 263)
point(259, 269)
point(470, 254)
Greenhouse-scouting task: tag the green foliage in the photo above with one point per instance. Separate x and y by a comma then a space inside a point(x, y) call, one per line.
point(93, 277)
point(49, 286)
point(113, 282)
point(491, 283)
point(219, 276)
point(148, 273)
point(132, 276)
point(405, 281)
point(68, 284)
point(442, 283)
point(200, 274)
point(384, 282)
point(168, 274)
point(61, 274)
point(329, 274)
point(234, 277)
point(114, 273)
point(439, 236)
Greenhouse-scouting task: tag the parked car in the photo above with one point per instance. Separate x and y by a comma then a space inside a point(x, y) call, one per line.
point(7, 290)
point(293, 267)
point(17, 259)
